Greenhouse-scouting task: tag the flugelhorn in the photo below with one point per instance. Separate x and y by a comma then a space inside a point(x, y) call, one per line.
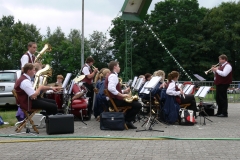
point(208, 71)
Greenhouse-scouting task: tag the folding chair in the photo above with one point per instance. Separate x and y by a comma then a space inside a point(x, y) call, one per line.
point(115, 108)
point(28, 114)
point(185, 105)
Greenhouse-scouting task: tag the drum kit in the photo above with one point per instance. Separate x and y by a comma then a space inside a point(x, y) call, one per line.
point(72, 98)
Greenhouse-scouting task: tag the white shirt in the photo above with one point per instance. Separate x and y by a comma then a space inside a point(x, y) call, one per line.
point(24, 58)
point(227, 69)
point(26, 85)
point(171, 90)
point(86, 69)
point(112, 83)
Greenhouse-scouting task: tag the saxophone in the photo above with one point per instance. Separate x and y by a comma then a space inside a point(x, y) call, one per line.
point(130, 98)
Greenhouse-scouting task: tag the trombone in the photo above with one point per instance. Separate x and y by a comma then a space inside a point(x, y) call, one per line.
point(208, 71)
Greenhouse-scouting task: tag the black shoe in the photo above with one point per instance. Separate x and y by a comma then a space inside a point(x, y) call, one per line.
point(222, 115)
point(216, 114)
point(130, 125)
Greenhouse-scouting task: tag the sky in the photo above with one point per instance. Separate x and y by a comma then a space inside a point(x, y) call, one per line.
point(67, 14)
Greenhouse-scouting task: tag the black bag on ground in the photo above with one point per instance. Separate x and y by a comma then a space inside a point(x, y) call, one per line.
point(112, 121)
point(186, 117)
point(60, 124)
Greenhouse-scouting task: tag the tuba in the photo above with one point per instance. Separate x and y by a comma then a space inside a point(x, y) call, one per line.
point(47, 48)
point(45, 72)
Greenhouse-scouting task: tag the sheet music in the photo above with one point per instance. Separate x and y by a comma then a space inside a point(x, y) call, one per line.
point(68, 76)
point(138, 84)
point(199, 77)
point(190, 89)
point(153, 82)
point(199, 91)
point(185, 88)
point(70, 88)
point(204, 91)
point(144, 90)
point(134, 81)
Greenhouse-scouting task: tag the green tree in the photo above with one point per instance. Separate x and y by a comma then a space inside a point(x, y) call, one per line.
point(100, 49)
point(14, 38)
point(65, 56)
point(221, 30)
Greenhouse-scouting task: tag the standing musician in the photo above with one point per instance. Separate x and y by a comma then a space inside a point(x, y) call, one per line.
point(28, 97)
point(114, 88)
point(29, 57)
point(222, 80)
point(88, 80)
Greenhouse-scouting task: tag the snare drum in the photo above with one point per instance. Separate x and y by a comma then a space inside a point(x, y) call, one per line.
point(57, 96)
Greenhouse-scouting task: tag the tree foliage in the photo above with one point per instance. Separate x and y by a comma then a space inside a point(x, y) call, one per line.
point(195, 36)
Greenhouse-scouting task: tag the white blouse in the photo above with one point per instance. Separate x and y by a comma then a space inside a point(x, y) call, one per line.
point(171, 90)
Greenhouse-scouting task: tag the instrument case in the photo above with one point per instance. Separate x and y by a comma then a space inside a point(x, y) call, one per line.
point(60, 124)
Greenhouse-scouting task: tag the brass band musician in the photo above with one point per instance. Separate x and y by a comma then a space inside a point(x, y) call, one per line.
point(88, 80)
point(222, 80)
point(114, 88)
point(29, 57)
point(28, 97)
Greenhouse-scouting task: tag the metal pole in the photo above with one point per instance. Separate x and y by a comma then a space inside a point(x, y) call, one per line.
point(82, 44)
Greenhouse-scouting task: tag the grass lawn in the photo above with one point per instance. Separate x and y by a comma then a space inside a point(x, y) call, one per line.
point(8, 116)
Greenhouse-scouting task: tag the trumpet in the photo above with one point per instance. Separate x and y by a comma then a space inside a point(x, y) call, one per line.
point(208, 71)
point(93, 67)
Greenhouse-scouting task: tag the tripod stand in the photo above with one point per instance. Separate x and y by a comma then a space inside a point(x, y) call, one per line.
point(202, 112)
point(151, 120)
point(201, 93)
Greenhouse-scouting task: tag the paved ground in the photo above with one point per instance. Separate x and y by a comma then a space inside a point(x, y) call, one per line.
point(150, 149)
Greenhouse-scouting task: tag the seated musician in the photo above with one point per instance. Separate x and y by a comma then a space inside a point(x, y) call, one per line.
point(60, 79)
point(114, 88)
point(101, 101)
point(175, 98)
point(28, 97)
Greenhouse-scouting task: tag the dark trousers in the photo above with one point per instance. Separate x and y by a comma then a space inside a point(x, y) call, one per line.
point(90, 94)
point(189, 98)
point(131, 113)
point(49, 105)
point(221, 98)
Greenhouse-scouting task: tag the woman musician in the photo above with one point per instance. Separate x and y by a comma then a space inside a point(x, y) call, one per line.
point(171, 107)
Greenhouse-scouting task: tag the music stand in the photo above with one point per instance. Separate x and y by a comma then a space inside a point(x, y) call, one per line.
point(138, 84)
point(134, 81)
point(201, 93)
point(189, 89)
point(149, 86)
